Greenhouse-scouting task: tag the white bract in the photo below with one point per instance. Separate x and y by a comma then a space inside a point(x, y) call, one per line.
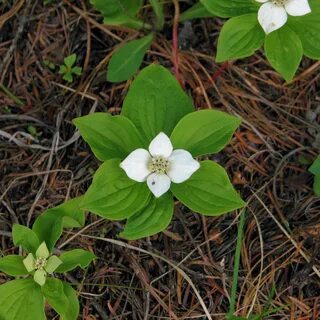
point(160, 165)
point(41, 264)
point(273, 14)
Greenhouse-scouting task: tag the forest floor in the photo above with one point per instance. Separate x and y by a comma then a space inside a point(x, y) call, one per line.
point(44, 161)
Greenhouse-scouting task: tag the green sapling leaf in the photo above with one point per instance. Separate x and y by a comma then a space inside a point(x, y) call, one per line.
point(25, 237)
point(154, 218)
point(109, 137)
point(21, 299)
point(155, 102)
point(240, 37)
point(209, 191)
point(127, 59)
point(204, 132)
point(75, 258)
point(230, 8)
point(13, 265)
point(195, 12)
point(113, 195)
point(284, 51)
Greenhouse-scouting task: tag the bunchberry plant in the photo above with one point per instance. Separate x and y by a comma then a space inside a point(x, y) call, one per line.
point(68, 69)
point(154, 151)
point(37, 273)
point(288, 29)
point(127, 59)
point(315, 170)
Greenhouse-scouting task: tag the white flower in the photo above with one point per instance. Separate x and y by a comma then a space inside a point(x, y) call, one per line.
point(273, 14)
point(160, 165)
point(41, 265)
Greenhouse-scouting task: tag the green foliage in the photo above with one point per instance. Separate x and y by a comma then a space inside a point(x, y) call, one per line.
point(208, 191)
point(155, 102)
point(68, 69)
point(240, 37)
point(75, 258)
point(49, 226)
point(315, 169)
point(195, 12)
point(152, 219)
point(230, 8)
point(21, 299)
point(284, 51)
point(308, 29)
point(126, 61)
point(204, 132)
point(120, 12)
point(25, 237)
point(109, 137)
point(157, 6)
point(12, 265)
point(25, 299)
point(113, 195)
point(62, 298)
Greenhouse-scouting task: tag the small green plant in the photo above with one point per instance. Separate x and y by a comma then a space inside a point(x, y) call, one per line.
point(127, 59)
point(149, 157)
point(25, 298)
point(68, 69)
point(315, 169)
point(288, 29)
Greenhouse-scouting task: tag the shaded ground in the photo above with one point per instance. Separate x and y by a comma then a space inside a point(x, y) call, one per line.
point(43, 161)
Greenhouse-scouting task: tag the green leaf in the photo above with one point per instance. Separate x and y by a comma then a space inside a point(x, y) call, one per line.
point(13, 265)
point(113, 195)
point(155, 102)
point(25, 237)
point(68, 77)
point(157, 6)
point(155, 217)
point(120, 12)
point(240, 37)
point(62, 298)
point(70, 60)
point(315, 167)
point(230, 8)
point(109, 136)
point(21, 299)
point(284, 51)
point(195, 12)
point(63, 69)
point(316, 185)
point(203, 132)
point(307, 27)
point(75, 258)
point(49, 225)
point(73, 303)
point(208, 191)
point(77, 71)
point(127, 59)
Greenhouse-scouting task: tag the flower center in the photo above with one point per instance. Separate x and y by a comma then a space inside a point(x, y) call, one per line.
point(40, 263)
point(159, 165)
point(279, 3)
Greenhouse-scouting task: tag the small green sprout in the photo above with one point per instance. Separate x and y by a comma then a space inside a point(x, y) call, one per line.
point(42, 264)
point(68, 69)
point(49, 64)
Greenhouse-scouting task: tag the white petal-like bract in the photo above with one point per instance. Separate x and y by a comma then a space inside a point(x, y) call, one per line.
point(297, 7)
point(272, 17)
point(136, 165)
point(161, 146)
point(42, 251)
point(158, 184)
point(182, 166)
